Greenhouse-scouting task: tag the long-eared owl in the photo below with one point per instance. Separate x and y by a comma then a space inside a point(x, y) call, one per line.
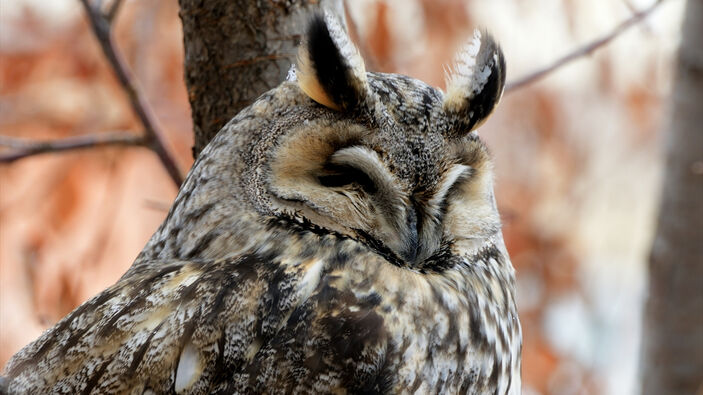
point(338, 235)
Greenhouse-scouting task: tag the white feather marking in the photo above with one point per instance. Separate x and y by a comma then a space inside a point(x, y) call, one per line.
point(462, 72)
point(449, 179)
point(464, 80)
point(291, 74)
point(310, 280)
point(189, 368)
point(307, 285)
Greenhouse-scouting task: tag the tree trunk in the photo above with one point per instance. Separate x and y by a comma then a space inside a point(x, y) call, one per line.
point(672, 347)
point(235, 50)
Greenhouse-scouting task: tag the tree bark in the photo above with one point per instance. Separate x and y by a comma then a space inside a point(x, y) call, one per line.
point(672, 357)
point(235, 50)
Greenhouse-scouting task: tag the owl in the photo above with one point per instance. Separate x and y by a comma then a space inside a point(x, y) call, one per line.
point(339, 235)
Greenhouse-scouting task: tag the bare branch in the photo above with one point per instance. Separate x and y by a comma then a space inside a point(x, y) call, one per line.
point(587, 49)
point(157, 205)
point(152, 132)
point(22, 148)
point(112, 10)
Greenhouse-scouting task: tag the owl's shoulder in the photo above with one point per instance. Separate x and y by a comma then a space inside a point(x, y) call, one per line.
point(194, 324)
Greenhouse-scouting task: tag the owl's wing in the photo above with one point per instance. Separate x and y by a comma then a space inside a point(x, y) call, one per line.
point(233, 325)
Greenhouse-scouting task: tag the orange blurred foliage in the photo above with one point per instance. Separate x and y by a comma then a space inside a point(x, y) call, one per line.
point(576, 221)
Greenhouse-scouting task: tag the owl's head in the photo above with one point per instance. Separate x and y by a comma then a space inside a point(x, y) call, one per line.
point(383, 158)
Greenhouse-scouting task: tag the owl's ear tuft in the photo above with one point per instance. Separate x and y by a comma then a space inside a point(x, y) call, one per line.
point(475, 83)
point(330, 69)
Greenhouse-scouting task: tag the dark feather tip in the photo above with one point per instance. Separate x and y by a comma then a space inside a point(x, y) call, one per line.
point(333, 71)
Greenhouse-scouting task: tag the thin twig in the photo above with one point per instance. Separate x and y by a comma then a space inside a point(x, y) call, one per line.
point(22, 148)
point(584, 50)
point(152, 133)
point(112, 10)
point(633, 9)
point(157, 205)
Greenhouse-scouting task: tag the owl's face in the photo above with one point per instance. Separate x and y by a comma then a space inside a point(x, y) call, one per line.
point(385, 158)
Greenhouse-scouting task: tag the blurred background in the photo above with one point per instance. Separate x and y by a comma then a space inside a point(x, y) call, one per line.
point(578, 160)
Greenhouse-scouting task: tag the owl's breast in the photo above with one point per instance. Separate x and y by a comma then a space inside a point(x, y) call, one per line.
point(454, 331)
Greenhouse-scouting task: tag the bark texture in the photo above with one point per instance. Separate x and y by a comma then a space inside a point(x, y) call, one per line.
point(235, 50)
point(672, 360)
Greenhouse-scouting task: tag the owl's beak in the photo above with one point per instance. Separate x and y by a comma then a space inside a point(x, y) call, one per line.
point(410, 236)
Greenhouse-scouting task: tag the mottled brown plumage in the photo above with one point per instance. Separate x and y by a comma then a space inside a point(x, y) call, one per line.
point(339, 235)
